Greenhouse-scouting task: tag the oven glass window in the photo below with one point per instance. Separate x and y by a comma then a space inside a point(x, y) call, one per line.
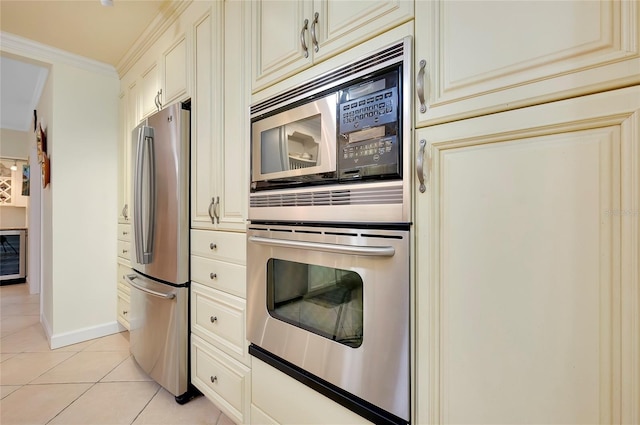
point(322, 300)
point(291, 146)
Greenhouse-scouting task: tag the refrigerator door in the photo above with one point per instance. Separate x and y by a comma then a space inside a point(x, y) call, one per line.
point(158, 334)
point(160, 207)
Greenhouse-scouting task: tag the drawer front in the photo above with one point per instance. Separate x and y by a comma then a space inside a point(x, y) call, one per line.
point(219, 318)
point(124, 232)
point(124, 250)
point(226, 277)
point(223, 246)
point(122, 282)
point(224, 381)
point(123, 309)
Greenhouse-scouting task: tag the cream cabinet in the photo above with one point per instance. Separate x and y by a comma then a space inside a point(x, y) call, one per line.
point(124, 158)
point(219, 355)
point(220, 131)
point(279, 399)
point(528, 235)
point(124, 268)
point(289, 36)
point(151, 89)
point(11, 183)
point(475, 58)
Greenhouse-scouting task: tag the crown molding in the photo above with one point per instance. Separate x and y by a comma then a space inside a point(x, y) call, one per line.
point(167, 15)
point(11, 43)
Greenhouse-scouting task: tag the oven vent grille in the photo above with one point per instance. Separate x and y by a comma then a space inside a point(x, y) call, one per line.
point(378, 60)
point(373, 196)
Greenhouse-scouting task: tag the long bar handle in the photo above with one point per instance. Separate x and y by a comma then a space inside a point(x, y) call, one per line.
point(303, 43)
point(314, 39)
point(373, 251)
point(151, 223)
point(420, 165)
point(420, 85)
point(130, 281)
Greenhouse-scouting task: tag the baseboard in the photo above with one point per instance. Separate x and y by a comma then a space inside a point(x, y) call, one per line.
point(80, 335)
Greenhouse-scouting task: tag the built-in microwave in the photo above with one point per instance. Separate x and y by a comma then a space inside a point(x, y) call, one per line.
point(340, 140)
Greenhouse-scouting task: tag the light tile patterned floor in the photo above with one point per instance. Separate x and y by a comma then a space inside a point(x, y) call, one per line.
point(94, 382)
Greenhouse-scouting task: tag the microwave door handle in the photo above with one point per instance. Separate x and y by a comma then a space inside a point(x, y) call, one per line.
point(372, 251)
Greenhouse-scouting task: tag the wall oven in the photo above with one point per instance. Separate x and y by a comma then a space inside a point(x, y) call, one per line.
point(328, 248)
point(330, 307)
point(337, 141)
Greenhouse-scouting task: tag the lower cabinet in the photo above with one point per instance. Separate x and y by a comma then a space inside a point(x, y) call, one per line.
point(124, 246)
point(278, 398)
point(220, 361)
point(527, 265)
point(223, 380)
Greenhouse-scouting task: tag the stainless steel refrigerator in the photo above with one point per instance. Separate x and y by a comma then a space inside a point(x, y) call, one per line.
point(159, 310)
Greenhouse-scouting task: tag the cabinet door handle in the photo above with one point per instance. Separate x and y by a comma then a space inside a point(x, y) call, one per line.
point(213, 246)
point(216, 209)
point(213, 319)
point(210, 211)
point(159, 99)
point(314, 39)
point(213, 276)
point(420, 85)
point(303, 43)
point(213, 379)
point(125, 211)
point(420, 165)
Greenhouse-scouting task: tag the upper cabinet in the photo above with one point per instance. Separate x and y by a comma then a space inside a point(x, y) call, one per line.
point(474, 58)
point(220, 120)
point(289, 36)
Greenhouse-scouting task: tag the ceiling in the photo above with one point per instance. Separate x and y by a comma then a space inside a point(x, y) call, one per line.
point(83, 27)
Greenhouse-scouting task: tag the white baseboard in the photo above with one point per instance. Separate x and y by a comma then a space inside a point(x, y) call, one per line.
point(80, 335)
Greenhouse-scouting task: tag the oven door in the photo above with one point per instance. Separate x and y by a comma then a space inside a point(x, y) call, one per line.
point(334, 303)
point(300, 141)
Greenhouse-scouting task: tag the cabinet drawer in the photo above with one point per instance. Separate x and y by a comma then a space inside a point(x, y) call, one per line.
point(123, 309)
point(224, 381)
point(124, 250)
point(226, 277)
point(124, 232)
point(223, 246)
point(122, 282)
point(219, 318)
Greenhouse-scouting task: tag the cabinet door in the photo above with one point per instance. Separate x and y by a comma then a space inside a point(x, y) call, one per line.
point(483, 57)
point(342, 24)
point(233, 186)
point(150, 80)
point(175, 71)
point(134, 115)
point(205, 120)
point(527, 280)
point(124, 144)
point(280, 33)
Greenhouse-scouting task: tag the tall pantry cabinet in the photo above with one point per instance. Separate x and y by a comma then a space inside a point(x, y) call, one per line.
point(528, 217)
point(200, 55)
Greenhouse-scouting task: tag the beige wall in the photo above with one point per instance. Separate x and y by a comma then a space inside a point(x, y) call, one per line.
point(14, 144)
point(13, 217)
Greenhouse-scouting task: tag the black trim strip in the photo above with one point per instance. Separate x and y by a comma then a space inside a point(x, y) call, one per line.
point(355, 404)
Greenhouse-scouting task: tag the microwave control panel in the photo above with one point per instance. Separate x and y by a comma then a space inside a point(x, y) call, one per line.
point(368, 145)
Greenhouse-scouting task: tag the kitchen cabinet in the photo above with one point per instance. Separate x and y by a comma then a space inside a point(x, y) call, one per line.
point(475, 58)
point(289, 36)
point(11, 184)
point(527, 265)
point(279, 399)
point(124, 162)
point(219, 356)
point(151, 89)
point(220, 124)
point(124, 268)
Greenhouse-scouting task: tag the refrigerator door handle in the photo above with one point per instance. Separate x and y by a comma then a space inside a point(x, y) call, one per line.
point(145, 158)
point(130, 278)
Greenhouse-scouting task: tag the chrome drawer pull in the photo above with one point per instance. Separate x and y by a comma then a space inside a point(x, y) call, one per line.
point(213, 246)
point(213, 276)
point(214, 379)
point(213, 319)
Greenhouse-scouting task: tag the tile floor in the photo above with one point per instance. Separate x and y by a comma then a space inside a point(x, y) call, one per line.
point(94, 382)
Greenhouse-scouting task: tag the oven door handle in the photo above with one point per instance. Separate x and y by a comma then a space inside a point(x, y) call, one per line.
point(372, 251)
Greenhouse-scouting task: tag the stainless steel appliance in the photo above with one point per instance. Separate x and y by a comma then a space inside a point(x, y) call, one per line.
point(159, 327)
point(330, 307)
point(13, 256)
point(338, 141)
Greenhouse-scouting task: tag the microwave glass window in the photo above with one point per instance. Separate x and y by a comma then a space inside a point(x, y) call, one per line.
point(291, 146)
point(322, 300)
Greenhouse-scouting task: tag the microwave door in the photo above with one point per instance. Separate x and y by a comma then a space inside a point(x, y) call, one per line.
point(273, 147)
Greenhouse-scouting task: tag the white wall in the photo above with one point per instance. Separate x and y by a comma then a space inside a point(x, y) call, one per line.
point(78, 108)
point(15, 144)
